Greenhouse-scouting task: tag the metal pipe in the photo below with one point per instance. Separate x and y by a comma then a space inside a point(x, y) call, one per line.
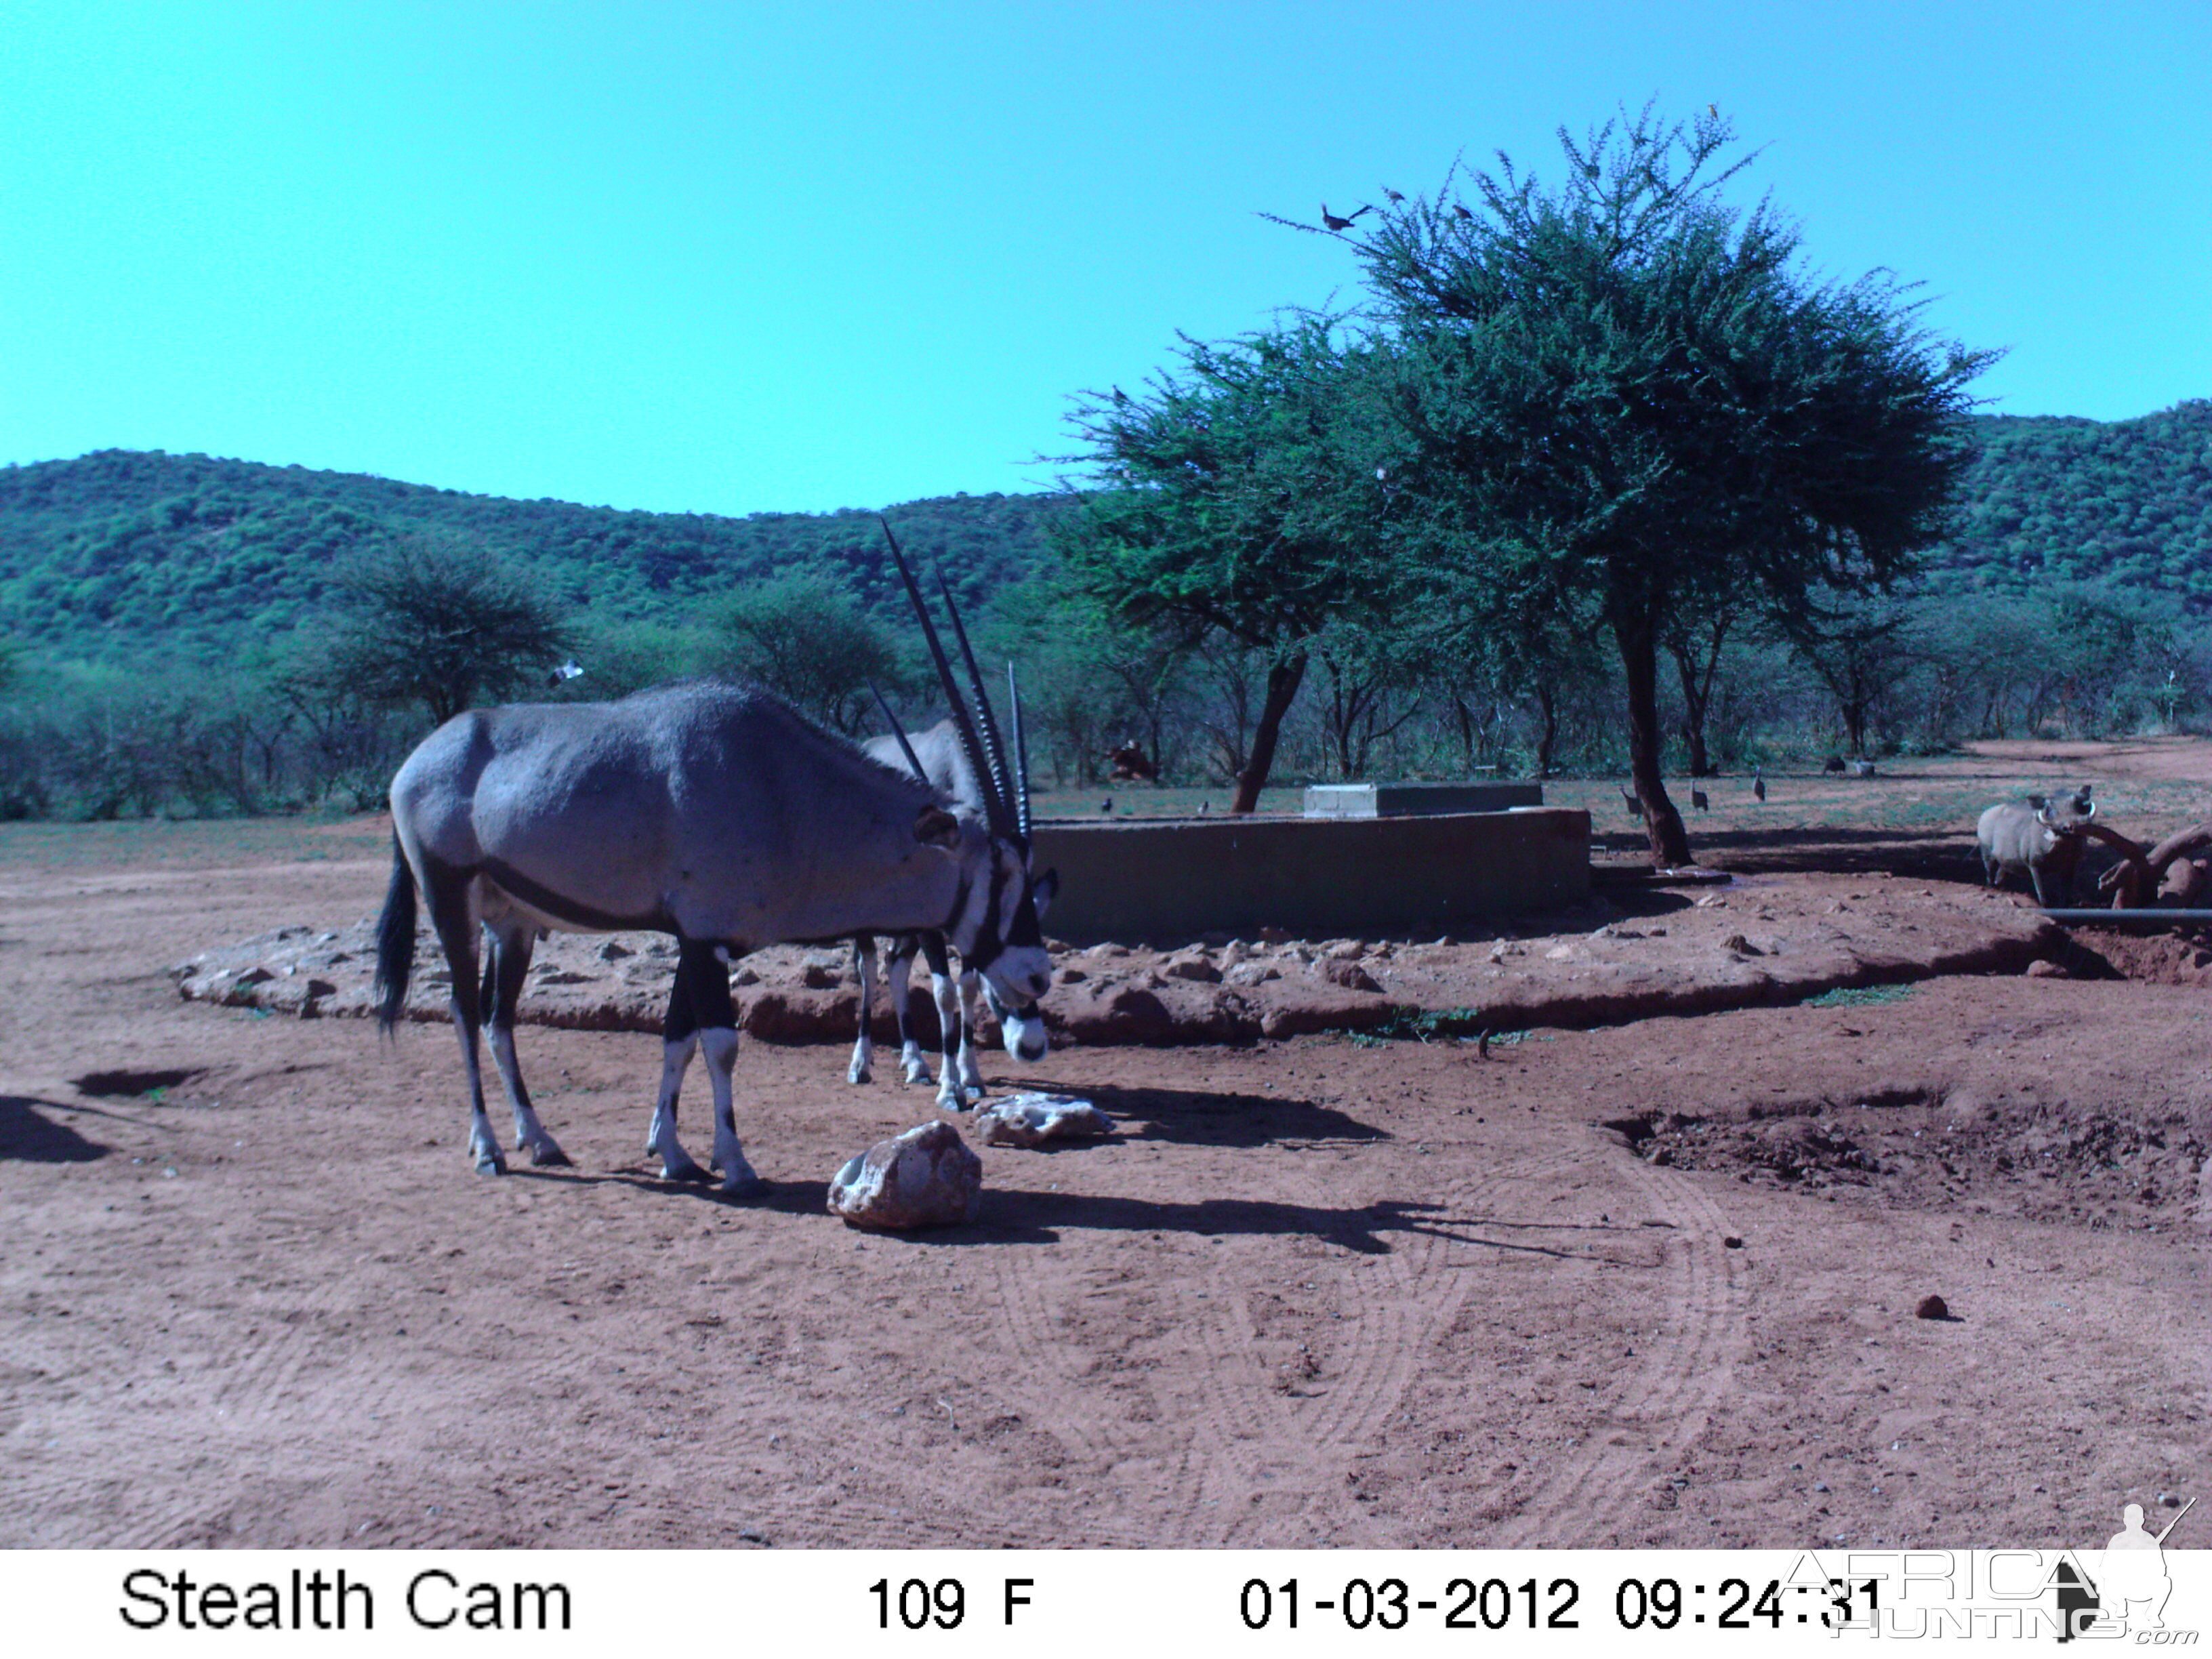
point(2136, 918)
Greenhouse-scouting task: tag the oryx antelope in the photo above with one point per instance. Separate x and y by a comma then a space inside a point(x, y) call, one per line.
point(938, 755)
point(711, 812)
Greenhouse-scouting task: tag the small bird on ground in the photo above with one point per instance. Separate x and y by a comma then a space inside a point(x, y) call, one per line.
point(1203, 807)
point(1335, 223)
point(1697, 800)
point(1107, 806)
point(1758, 784)
point(1628, 796)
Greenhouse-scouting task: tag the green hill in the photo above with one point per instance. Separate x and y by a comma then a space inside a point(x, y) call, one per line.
point(122, 558)
point(2051, 499)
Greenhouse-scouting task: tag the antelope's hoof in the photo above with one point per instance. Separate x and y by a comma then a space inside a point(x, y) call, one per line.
point(859, 1074)
point(687, 1170)
point(490, 1163)
point(745, 1184)
point(546, 1155)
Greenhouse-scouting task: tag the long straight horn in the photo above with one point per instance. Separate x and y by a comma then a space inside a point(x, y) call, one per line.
point(1021, 759)
point(992, 744)
point(994, 805)
point(898, 732)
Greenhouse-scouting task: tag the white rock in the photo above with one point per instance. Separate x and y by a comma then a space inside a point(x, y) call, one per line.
point(1025, 1119)
point(926, 1177)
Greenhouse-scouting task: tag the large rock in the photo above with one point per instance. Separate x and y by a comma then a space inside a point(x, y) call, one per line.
point(926, 1177)
point(1027, 1120)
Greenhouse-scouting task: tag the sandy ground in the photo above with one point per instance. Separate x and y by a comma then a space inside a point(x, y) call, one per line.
point(1653, 1281)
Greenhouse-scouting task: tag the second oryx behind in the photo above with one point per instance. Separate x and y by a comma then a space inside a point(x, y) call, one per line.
point(940, 759)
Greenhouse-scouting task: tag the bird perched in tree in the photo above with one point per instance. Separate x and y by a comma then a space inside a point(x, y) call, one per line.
point(1758, 784)
point(1335, 223)
point(1460, 208)
point(1120, 396)
point(1392, 195)
point(1697, 800)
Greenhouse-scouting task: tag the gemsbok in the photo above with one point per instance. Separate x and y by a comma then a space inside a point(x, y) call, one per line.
point(711, 812)
point(937, 756)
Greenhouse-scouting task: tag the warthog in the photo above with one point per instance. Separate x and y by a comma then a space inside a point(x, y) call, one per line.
point(2043, 837)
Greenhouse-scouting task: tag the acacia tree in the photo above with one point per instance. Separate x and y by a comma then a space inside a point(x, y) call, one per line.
point(804, 636)
point(439, 624)
point(1620, 393)
point(1237, 499)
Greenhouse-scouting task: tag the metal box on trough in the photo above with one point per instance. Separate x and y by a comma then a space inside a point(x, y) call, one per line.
point(1406, 800)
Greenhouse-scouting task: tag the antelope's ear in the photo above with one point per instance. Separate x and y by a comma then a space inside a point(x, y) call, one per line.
point(935, 827)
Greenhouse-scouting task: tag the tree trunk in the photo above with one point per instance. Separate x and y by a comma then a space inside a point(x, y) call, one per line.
point(1632, 627)
point(1697, 699)
point(1283, 678)
point(1548, 701)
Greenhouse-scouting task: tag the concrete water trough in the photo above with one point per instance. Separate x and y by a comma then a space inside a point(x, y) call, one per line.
point(1314, 877)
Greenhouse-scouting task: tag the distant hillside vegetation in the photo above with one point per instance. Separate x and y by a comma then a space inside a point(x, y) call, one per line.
point(119, 557)
point(2052, 500)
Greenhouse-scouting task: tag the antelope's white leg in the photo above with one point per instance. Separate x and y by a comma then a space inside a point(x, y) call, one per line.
point(971, 1074)
point(484, 1145)
point(452, 913)
point(864, 1048)
point(676, 1164)
point(951, 1093)
point(898, 978)
point(511, 948)
point(719, 1045)
point(530, 1133)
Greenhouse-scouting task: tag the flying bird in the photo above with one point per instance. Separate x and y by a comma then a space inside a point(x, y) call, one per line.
point(1335, 223)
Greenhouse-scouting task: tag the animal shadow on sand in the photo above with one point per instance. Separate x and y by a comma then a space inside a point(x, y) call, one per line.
point(1014, 1215)
point(28, 1135)
point(1207, 1117)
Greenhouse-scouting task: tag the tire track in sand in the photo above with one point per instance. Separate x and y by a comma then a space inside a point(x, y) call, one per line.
point(1663, 1403)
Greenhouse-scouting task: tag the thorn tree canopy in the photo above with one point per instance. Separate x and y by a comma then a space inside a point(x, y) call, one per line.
point(1621, 394)
point(440, 623)
point(1238, 497)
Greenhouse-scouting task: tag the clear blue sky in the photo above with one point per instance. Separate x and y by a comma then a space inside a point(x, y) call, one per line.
point(740, 258)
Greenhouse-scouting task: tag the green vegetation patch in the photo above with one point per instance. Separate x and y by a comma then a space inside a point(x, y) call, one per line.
point(1860, 996)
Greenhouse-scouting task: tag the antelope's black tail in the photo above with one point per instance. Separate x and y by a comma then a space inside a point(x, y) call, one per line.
point(395, 943)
